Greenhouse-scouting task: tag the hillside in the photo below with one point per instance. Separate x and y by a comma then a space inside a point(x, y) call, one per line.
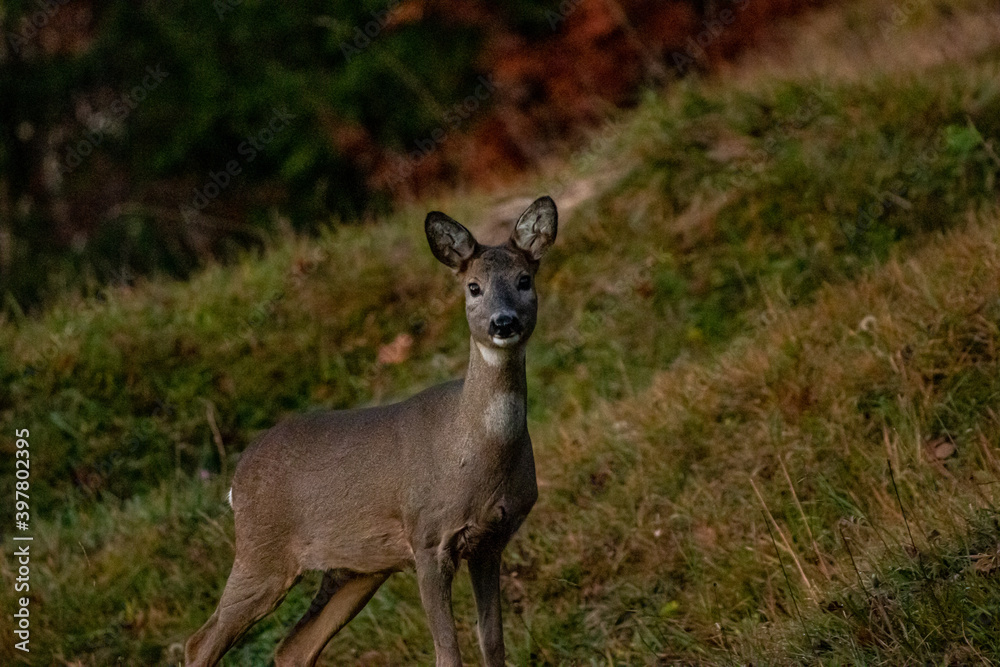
point(120, 121)
point(764, 390)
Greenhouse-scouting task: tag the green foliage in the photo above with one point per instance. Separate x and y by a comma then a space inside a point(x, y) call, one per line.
point(716, 311)
point(225, 68)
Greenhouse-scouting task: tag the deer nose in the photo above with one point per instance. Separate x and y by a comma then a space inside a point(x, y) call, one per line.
point(504, 325)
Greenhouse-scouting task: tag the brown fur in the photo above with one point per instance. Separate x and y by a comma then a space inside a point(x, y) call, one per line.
point(446, 475)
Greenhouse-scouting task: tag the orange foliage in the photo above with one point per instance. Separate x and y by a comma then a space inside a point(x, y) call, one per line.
point(549, 89)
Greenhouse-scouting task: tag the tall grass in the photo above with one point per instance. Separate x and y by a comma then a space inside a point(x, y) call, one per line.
point(764, 396)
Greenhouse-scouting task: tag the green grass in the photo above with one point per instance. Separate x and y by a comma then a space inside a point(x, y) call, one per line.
point(788, 284)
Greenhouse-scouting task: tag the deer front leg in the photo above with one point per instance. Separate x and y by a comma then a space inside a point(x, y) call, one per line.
point(435, 571)
point(484, 569)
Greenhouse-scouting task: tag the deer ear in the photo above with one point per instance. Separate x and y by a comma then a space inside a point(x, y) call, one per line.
point(535, 231)
point(450, 242)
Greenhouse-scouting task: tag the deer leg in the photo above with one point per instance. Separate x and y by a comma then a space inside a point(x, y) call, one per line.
point(484, 570)
point(249, 596)
point(341, 596)
point(435, 571)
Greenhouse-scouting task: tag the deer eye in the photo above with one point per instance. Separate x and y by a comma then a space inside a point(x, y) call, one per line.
point(475, 289)
point(524, 283)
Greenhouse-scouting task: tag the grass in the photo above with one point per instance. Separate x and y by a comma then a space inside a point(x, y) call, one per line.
point(810, 411)
point(764, 392)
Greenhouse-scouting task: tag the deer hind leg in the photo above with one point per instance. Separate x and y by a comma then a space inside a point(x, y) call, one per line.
point(250, 595)
point(341, 596)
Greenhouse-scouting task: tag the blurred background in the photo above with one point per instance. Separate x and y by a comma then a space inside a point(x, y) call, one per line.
point(119, 119)
point(763, 388)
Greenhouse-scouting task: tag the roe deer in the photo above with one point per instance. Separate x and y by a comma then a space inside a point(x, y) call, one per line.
point(448, 474)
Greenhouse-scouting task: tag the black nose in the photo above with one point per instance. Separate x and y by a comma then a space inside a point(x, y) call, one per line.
point(504, 325)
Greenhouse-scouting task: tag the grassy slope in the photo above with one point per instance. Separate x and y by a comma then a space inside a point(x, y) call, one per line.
point(717, 313)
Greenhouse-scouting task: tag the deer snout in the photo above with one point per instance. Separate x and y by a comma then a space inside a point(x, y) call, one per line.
point(504, 326)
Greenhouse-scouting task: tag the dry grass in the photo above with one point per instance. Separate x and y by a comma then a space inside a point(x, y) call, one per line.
point(734, 402)
point(863, 39)
point(797, 423)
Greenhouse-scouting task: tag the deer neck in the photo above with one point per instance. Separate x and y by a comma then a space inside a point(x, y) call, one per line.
point(494, 397)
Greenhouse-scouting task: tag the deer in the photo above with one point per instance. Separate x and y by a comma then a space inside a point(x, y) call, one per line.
point(423, 484)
